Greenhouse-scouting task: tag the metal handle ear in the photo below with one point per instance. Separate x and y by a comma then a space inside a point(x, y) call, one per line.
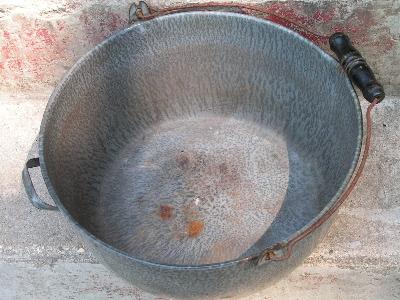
point(30, 189)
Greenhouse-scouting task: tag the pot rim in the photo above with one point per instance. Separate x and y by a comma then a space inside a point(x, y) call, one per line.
point(98, 242)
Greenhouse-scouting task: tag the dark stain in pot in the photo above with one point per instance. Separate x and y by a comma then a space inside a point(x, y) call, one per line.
point(166, 212)
point(183, 161)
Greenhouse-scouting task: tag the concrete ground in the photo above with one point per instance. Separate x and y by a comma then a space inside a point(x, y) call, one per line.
point(42, 258)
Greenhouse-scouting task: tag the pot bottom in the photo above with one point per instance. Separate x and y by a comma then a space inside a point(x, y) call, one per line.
point(206, 189)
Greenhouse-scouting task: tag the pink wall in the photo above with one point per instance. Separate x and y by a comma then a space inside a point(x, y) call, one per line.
point(40, 40)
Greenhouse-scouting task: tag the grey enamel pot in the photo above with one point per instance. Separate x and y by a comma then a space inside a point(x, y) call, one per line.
point(183, 147)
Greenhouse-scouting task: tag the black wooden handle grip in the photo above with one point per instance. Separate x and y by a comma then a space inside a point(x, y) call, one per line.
point(356, 67)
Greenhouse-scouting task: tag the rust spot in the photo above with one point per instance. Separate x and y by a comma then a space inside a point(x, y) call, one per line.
point(195, 228)
point(223, 168)
point(230, 177)
point(270, 255)
point(183, 161)
point(166, 212)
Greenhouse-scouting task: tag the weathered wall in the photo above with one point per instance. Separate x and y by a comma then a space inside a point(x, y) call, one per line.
point(41, 39)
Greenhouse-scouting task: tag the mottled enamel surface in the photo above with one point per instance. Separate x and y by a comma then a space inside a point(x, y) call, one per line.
point(200, 138)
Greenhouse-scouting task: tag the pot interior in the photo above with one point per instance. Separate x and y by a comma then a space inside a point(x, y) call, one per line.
point(200, 137)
